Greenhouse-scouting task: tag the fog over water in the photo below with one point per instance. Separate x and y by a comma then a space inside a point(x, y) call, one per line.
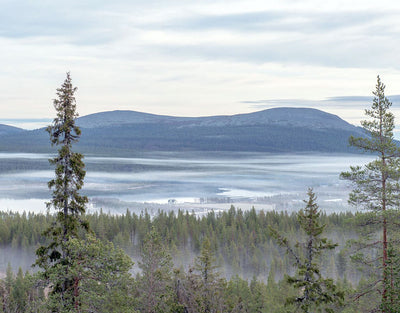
point(198, 181)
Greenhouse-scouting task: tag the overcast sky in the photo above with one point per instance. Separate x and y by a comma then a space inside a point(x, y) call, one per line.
point(198, 57)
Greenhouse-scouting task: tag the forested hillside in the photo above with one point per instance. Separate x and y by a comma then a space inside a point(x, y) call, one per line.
point(280, 130)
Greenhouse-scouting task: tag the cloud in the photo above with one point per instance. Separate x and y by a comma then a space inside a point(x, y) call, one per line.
point(302, 51)
point(359, 101)
point(193, 57)
point(350, 108)
point(345, 38)
point(278, 21)
point(339, 101)
point(81, 23)
point(335, 39)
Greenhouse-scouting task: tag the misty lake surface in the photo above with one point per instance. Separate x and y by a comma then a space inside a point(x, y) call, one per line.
point(191, 181)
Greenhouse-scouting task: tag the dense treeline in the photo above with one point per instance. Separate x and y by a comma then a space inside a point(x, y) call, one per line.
point(248, 264)
point(240, 239)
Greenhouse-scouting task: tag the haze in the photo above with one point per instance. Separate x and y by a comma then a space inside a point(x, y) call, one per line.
point(192, 58)
point(196, 181)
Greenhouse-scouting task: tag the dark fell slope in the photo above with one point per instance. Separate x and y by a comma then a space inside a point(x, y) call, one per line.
point(274, 130)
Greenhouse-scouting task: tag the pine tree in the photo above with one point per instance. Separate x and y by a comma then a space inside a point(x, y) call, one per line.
point(66, 200)
point(101, 271)
point(377, 189)
point(314, 291)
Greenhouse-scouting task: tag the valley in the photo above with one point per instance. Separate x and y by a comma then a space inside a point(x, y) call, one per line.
point(185, 180)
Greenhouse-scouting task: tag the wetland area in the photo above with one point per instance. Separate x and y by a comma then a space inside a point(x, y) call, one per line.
point(195, 181)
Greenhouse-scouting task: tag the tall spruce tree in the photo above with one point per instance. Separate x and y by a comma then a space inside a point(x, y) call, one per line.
point(377, 189)
point(66, 200)
point(315, 291)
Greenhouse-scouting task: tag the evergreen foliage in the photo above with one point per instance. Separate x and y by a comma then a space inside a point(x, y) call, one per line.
point(377, 189)
point(235, 235)
point(69, 204)
point(81, 273)
point(186, 232)
point(100, 273)
point(392, 285)
point(204, 287)
point(85, 273)
point(155, 292)
point(314, 291)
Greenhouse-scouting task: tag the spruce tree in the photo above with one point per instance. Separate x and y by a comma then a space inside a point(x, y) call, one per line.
point(314, 291)
point(377, 190)
point(66, 200)
point(392, 301)
point(155, 291)
point(204, 286)
point(19, 293)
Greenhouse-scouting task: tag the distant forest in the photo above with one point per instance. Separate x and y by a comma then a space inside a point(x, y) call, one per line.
point(245, 254)
point(240, 239)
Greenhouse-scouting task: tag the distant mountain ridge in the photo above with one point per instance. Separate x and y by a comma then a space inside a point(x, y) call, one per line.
point(6, 129)
point(297, 117)
point(278, 130)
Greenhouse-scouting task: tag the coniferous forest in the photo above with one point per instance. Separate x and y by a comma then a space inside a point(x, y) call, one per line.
point(244, 253)
point(232, 261)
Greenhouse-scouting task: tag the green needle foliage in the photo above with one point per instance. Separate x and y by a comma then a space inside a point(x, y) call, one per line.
point(100, 276)
point(377, 189)
point(69, 165)
point(314, 291)
point(69, 204)
point(392, 301)
point(155, 292)
point(204, 286)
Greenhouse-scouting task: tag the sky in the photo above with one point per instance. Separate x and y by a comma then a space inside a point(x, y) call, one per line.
point(197, 57)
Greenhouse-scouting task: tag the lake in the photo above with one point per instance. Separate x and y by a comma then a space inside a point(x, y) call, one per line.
point(191, 181)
